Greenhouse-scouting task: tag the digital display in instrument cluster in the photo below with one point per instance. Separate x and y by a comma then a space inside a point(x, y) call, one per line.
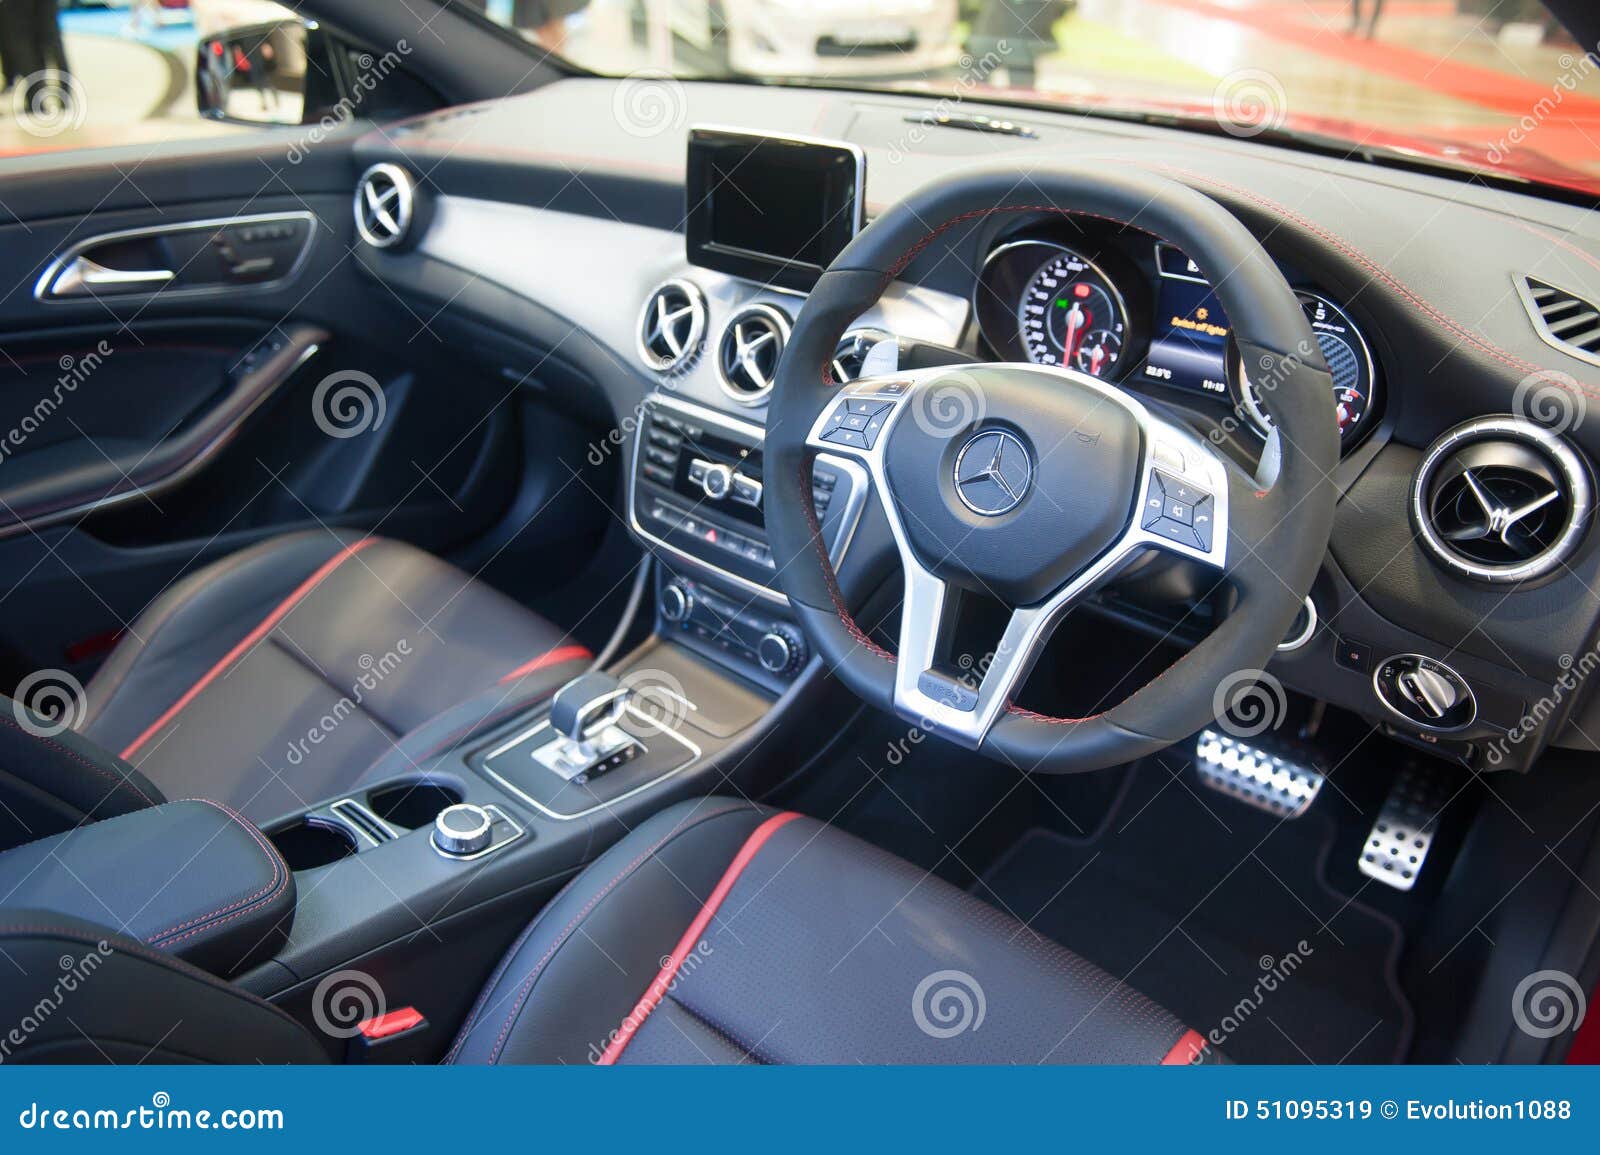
point(1189, 335)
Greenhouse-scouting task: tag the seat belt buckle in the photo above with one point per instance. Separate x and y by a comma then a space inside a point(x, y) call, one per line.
point(397, 1036)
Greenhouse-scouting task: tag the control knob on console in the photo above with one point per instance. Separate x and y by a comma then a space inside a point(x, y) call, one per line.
point(463, 829)
point(717, 481)
point(675, 602)
point(781, 650)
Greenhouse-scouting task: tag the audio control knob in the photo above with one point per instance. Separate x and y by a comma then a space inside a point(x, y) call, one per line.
point(781, 650)
point(675, 602)
point(463, 829)
point(717, 481)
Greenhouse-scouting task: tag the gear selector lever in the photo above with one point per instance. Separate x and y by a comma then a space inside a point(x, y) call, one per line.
point(585, 703)
point(584, 715)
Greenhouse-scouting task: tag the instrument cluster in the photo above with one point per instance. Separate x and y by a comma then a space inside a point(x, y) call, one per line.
point(1130, 308)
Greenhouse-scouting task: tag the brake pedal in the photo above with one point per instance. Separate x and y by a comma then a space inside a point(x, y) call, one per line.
point(1397, 845)
point(1278, 785)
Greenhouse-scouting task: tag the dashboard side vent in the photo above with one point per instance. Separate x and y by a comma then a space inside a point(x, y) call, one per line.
point(1563, 319)
point(385, 203)
point(1501, 499)
point(672, 325)
point(748, 352)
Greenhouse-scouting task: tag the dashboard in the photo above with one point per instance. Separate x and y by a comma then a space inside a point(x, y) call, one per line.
point(555, 240)
point(1128, 307)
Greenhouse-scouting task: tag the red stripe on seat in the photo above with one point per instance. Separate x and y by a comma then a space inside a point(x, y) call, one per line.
point(550, 658)
point(1186, 1050)
point(657, 990)
point(262, 630)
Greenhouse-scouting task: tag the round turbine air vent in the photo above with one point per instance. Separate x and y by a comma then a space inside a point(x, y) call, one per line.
point(386, 199)
point(747, 354)
point(1501, 499)
point(672, 325)
point(851, 354)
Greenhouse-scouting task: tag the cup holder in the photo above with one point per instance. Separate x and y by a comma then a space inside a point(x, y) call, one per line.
point(308, 845)
point(412, 805)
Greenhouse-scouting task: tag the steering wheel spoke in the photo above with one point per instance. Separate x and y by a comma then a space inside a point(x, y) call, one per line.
point(1180, 505)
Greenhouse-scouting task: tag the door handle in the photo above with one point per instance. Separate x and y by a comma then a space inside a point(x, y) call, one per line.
point(83, 277)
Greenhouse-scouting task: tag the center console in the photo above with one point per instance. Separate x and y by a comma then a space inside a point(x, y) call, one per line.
point(696, 494)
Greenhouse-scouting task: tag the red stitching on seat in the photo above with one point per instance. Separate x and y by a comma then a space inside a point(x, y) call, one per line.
point(657, 990)
point(69, 752)
point(266, 626)
point(526, 986)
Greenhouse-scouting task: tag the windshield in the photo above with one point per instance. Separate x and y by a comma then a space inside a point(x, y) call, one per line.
point(1484, 83)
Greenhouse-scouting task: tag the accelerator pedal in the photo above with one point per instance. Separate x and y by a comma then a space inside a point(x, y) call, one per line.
point(1397, 845)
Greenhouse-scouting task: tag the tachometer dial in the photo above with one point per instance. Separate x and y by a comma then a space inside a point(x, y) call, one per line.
point(1070, 314)
point(1349, 361)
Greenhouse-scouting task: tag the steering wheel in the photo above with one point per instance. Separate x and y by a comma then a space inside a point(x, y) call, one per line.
point(1038, 485)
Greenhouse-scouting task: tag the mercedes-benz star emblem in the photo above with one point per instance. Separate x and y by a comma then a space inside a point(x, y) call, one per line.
point(993, 473)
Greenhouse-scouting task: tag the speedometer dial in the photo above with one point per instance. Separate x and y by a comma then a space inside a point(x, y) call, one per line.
point(1071, 315)
point(1355, 382)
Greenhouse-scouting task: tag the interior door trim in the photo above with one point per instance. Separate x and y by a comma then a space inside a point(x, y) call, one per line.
point(172, 468)
point(47, 281)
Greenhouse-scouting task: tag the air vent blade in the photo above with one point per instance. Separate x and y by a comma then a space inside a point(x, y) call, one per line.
point(749, 350)
point(1562, 319)
point(672, 325)
point(385, 204)
point(1501, 499)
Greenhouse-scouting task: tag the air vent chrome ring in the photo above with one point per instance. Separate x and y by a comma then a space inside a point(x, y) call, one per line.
point(672, 325)
point(748, 352)
point(385, 202)
point(1501, 500)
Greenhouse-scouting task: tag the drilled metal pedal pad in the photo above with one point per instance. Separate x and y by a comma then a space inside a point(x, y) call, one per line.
point(1278, 785)
point(1397, 845)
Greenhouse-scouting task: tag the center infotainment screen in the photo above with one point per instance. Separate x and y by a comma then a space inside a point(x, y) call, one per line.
point(773, 209)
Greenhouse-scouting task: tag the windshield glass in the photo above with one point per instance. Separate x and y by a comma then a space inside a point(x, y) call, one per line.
point(1490, 83)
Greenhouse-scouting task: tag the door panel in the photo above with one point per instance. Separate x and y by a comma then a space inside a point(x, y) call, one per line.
point(235, 401)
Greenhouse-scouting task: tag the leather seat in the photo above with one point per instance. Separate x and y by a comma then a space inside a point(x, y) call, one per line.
point(273, 679)
point(718, 931)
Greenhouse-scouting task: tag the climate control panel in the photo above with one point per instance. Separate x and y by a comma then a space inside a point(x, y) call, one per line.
point(738, 631)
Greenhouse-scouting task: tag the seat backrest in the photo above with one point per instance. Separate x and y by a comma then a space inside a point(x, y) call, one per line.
point(52, 779)
point(79, 993)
